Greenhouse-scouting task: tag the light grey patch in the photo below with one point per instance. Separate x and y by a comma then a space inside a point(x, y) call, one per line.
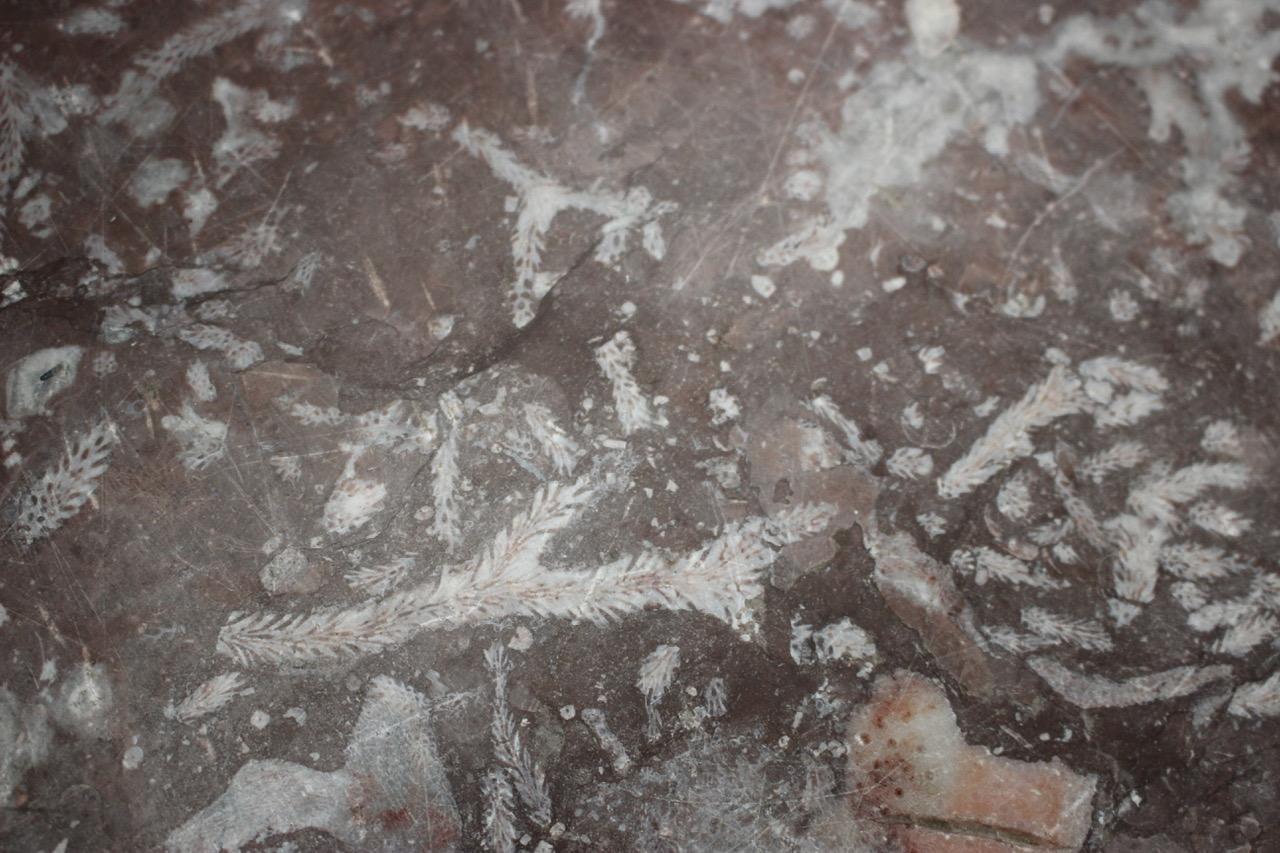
point(155, 179)
point(288, 571)
point(96, 249)
point(38, 378)
point(90, 21)
point(392, 768)
point(84, 701)
point(34, 216)
point(24, 740)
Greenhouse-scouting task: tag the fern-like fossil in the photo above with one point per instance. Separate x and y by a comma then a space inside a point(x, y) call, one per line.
point(508, 579)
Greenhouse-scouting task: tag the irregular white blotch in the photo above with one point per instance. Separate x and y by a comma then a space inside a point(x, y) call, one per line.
point(657, 671)
point(195, 281)
point(353, 502)
point(154, 179)
point(199, 382)
point(241, 145)
point(287, 572)
point(934, 24)
point(803, 185)
point(1226, 46)
point(96, 249)
point(240, 354)
point(25, 736)
point(1269, 321)
point(197, 207)
point(39, 377)
point(816, 242)
point(1095, 691)
point(652, 240)
point(1014, 498)
point(1124, 308)
point(4, 616)
point(910, 463)
point(763, 286)
point(715, 697)
point(1223, 438)
point(616, 358)
point(203, 440)
point(609, 742)
point(34, 215)
point(724, 406)
point(902, 117)
point(92, 21)
point(842, 640)
point(84, 701)
point(430, 116)
point(132, 758)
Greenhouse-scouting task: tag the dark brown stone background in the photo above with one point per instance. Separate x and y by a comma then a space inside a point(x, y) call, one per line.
point(699, 112)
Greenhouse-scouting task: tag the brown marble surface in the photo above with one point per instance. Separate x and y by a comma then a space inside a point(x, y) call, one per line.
point(690, 425)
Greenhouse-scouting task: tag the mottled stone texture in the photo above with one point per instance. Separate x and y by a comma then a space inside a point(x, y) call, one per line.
point(596, 425)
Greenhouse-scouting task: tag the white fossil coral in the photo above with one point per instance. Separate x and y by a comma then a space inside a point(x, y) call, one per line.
point(208, 698)
point(1083, 633)
point(1009, 436)
point(64, 488)
point(860, 451)
point(1257, 698)
point(657, 671)
point(617, 359)
point(507, 578)
point(203, 440)
point(514, 758)
point(986, 564)
point(1095, 691)
point(541, 200)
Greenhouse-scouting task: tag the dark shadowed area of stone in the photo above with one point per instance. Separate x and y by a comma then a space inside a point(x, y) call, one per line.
point(821, 222)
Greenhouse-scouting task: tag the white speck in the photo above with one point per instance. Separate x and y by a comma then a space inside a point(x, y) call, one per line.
point(568, 712)
point(132, 758)
point(627, 310)
point(795, 76)
point(49, 671)
point(894, 284)
point(995, 220)
point(298, 715)
point(864, 353)
point(1046, 14)
point(259, 719)
point(763, 285)
point(837, 278)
